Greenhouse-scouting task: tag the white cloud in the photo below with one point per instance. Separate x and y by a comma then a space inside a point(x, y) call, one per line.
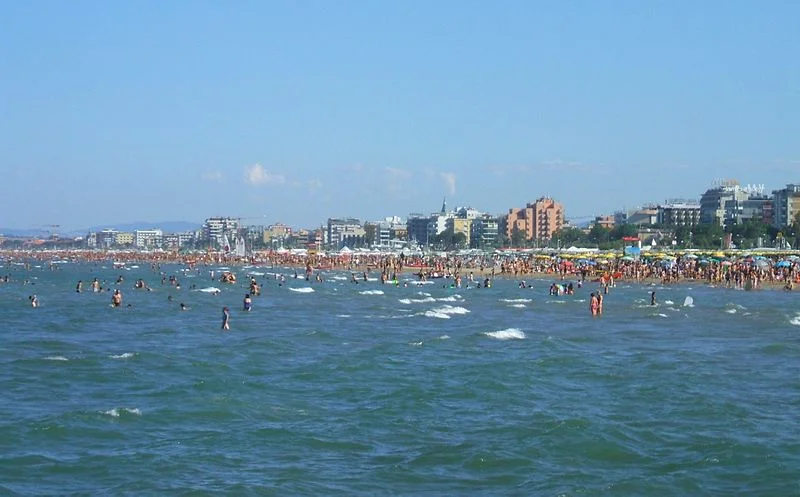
point(257, 175)
point(449, 182)
point(215, 176)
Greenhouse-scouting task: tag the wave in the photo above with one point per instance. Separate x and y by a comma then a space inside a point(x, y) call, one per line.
point(688, 302)
point(56, 358)
point(417, 301)
point(731, 311)
point(449, 309)
point(434, 314)
point(669, 302)
point(514, 301)
point(795, 320)
point(210, 289)
point(507, 334)
point(453, 298)
point(371, 292)
point(518, 306)
point(424, 294)
point(117, 412)
point(305, 289)
point(126, 355)
point(343, 315)
point(444, 337)
point(255, 273)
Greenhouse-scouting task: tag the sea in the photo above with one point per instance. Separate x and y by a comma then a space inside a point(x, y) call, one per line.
point(341, 388)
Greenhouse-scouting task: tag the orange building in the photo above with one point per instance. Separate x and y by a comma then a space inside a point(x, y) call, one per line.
point(538, 220)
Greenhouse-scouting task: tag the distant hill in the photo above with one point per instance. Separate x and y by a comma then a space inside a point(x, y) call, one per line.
point(165, 226)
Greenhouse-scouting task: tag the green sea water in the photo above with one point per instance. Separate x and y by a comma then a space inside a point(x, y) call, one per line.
point(337, 388)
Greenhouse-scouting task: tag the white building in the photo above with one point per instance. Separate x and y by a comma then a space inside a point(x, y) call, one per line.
point(147, 239)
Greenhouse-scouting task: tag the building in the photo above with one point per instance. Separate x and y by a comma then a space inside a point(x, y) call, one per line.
point(147, 239)
point(723, 204)
point(417, 228)
point(344, 231)
point(484, 231)
point(460, 225)
point(679, 213)
point(106, 238)
point(124, 239)
point(646, 216)
point(538, 220)
point(216, 229)
point(607, 222)
point(785, 205)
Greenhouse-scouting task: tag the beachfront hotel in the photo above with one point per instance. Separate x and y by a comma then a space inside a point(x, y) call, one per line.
point(537, 221)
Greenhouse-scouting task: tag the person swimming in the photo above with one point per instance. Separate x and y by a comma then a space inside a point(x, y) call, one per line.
point(247, 303)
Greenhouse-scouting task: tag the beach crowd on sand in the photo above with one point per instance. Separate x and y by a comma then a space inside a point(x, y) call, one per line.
point(726, 269)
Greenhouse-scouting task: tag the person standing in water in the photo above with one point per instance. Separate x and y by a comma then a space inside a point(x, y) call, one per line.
point(116, 299)
point(79, 286)
point(652, 298)
point(593, 304)
point(248, 303)
point(226, 318)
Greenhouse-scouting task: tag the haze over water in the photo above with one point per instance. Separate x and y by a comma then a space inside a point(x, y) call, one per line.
point(337, 388)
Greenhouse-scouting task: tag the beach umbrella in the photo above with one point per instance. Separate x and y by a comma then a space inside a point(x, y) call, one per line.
point(783, 264)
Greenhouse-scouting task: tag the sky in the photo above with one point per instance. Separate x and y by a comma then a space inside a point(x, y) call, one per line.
point(296, 111)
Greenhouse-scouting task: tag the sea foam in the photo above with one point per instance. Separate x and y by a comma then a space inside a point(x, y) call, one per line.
point(117, 412)
point(56, 358)
point(126, 355)
point(305, 289)
point(507, 334)
point(371, 292)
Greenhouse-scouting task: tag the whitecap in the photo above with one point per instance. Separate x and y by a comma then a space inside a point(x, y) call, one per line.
point(454, 298)
point(417, 301)
point(210, 289)
point(115, 413)
point(514, 301)
point(663, 315)
point(343, 315)
point(305, 289)
point(731, 311)
point(424, 294)
point(371, 292)
point(518, 306)
point(255, 273)
point(444, 337)
point(126, 355)
point(434, 314)
point(795, 321)
point(416, 344)
point(688, 302)
point(449, 309)
point(669, 302)
point(56, 358)
point(507, 334)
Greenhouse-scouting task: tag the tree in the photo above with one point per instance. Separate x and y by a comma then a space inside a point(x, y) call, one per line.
point(517, 237)
point(599, 234)
point(570, 236)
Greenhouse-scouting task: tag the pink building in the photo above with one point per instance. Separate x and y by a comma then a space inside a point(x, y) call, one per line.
point(538, 220)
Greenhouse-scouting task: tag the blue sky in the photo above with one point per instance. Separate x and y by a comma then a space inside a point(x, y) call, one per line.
point(296, 111)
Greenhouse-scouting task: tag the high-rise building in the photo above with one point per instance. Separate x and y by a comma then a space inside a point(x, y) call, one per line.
point(484, 231)
point(679, 213)
point(537, 220)
point(785, 205)
point(343, 231)
point(724, 204)
point(217, 229)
